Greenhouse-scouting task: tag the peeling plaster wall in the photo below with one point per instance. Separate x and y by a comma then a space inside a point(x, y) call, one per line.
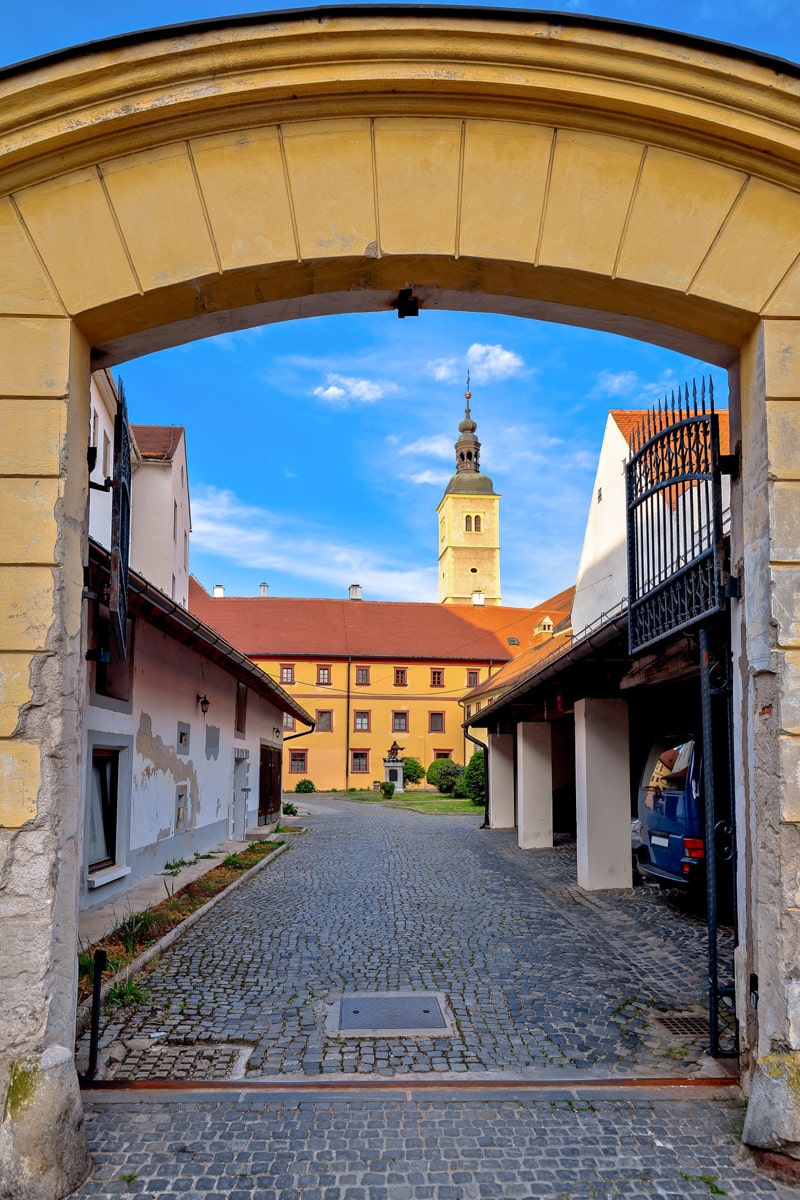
point(167, 678)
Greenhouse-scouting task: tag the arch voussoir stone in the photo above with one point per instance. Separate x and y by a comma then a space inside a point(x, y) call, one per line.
point(159, 188)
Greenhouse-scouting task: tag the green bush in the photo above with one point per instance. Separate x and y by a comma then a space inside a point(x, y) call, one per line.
point(432, 773)
point(460, 787)
point(474, 779)
point(304, 785)
point(447, 776)
point(413, 770)
point(289, 809)
point(387, 788)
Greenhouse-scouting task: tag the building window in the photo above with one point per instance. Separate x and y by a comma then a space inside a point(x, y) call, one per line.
point(174, 520)
point(437, 677)
point(443, 754)
point(93, 441)
point(323, 676)
point(173, 587)
point(103, 809)
point(360, 762)
point(469, 711)
point(399, 722)
point(362, 676)
point(477, 524)
point(324, 720)
point(599, 495)
point(287, 672)
point(478, 706)
point(472, 678)
point(106, 455)
point(435, 722)
point(361, 720)
point(468, 524)
point(298, 762)
point(289, 722)
point(240, 723)
point(185, 551)
point(400, 677)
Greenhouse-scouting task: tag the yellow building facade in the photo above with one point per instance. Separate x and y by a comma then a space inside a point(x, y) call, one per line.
point(370, 673)
point(469, 527)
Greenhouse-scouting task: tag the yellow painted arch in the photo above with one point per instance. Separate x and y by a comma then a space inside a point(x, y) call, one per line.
point(163, 188)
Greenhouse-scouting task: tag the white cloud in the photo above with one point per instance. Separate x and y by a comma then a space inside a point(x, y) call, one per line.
point(225, 526)
point(440, 478)
point(445, 370)
point(437, 446)
point(616, 383)
point(627, 384)
point(332, 394)
point(492, 362)
point(342, 389)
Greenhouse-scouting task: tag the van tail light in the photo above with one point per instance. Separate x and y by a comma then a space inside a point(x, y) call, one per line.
point(694, 847)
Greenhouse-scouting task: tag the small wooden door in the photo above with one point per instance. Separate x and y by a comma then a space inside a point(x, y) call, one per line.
point(269, 785)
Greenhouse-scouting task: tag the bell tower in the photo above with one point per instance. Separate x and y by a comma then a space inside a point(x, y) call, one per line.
point(469, 526)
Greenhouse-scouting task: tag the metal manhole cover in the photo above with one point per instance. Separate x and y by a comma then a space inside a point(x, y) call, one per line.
point(684, 1026)
point(392, 1014)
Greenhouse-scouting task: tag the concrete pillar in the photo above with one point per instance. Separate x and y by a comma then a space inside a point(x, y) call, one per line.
point(766, 631)
point(603, 794)
point(534, 784)
point(501, 780)
point(44, 418)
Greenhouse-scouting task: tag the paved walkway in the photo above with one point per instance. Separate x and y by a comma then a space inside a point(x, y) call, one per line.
point(540, 977)
point(420, 1148)
point(544, 983)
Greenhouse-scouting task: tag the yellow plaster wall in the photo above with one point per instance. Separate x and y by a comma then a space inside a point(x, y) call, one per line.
point(327, 752)
point(460, 551)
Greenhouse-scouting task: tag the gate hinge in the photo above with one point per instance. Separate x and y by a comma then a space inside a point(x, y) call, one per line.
point(733, 588)
point(729, 463)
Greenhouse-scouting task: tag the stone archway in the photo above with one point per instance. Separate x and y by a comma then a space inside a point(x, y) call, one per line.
point(161, 187)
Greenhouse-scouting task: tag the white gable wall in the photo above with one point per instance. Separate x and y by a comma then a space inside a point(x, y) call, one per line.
point(603, 569)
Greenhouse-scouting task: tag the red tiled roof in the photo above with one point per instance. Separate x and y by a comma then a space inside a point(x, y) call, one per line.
point(519, 667)
point(276, 627)
point(628, 421)
point(157, 441)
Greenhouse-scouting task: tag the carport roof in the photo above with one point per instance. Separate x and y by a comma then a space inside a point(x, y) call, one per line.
point(571, 659)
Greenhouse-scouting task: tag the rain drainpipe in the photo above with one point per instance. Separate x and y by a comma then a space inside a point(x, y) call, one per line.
point(347, 729)
point(485, 750)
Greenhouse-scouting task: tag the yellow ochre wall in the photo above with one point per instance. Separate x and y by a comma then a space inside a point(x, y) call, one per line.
point(469, 560)
point(329, 752)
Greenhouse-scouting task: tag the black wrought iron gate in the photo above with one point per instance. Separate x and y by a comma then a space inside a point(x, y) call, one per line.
point(678, 580)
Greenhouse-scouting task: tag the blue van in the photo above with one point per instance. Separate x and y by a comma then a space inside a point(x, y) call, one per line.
point(671, 834)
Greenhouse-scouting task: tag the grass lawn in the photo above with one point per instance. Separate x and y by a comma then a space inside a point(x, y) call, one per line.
point(434, 802)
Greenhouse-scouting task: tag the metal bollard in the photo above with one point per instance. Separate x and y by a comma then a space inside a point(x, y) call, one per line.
point(100, 963)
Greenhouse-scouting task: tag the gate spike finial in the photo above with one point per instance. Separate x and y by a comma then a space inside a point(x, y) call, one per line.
point(711, 394)
point(695, 409)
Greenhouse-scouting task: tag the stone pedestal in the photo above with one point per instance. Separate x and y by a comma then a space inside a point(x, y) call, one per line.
point(393, 773)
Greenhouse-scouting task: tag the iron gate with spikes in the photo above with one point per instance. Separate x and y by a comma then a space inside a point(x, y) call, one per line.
point(677, 581)
point(675, 537)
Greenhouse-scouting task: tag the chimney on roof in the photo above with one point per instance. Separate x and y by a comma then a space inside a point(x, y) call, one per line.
point(355, 591)
point(263, 589)
point(219, 591)
point(477, 597)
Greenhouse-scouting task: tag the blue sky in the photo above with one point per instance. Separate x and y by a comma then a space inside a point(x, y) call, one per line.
point(318, 450)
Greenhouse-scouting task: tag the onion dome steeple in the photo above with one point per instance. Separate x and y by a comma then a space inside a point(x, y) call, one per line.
point(468, 448)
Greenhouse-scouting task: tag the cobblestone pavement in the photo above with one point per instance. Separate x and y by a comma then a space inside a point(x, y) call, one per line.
point(540, 976)
point(448, 1148)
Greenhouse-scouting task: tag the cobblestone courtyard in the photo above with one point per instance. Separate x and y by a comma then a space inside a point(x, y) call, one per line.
point(540, 977)
point(544, 982)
